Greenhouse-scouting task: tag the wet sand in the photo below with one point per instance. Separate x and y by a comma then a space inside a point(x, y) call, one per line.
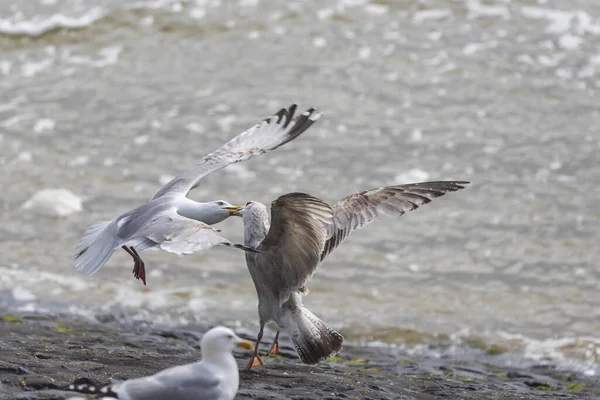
point(43, 354)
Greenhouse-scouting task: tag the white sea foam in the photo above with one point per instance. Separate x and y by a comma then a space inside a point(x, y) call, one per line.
point(226, 122)
point(319, 42)
point(106, 56)
point(566, 350)
point(198, 13)
point(431, 15)
point(477, 10)
point(164, 179)
point(568, 41)
point(13, 276)
point(561, 21)
point(248, 3)
point(376, 9)
point(44, 125)
point(79, 161)
point(21, 294)
point(32, 68)
point(24, 156)
point(5, 67)
point(364, 53)
point(54, 203)
point(37, 27)
point(411, 176)
point(141, 140)
point(325, 13)
point(416, 135)
point(241, 170)
point(195, 127)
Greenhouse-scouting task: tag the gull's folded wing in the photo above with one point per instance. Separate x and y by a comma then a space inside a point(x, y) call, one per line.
point(294, 243)
point(177, 234)
point(185, 382)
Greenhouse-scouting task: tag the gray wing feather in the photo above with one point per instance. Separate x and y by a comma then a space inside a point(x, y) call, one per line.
point(290, 252)
point(185, 382)
point(358, 209)
point(268, 135)
point(174, 233)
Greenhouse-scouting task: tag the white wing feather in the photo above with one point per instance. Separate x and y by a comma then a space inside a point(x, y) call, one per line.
point(268, 135)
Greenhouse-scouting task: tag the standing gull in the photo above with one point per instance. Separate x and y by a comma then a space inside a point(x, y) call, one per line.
point(303, 231)
point(173, 222)
point(216, 377)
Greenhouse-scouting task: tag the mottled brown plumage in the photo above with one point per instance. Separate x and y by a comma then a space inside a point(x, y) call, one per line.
point(303, 231)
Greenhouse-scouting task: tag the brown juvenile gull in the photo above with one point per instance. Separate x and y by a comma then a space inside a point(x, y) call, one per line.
point(173, 222)
point(216, 377)
point(303, 231)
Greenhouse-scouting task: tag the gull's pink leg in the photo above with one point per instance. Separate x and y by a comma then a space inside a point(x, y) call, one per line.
point(275, 346)
point(139, 270)
point(256, 360)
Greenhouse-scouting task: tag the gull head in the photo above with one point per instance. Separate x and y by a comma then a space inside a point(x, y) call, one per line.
point(221, 340)
point(220, 210)
point(252, 208)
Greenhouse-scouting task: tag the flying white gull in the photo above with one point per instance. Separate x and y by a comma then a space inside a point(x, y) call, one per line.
point(303, 231)
point(173, 222)
point(216, 377)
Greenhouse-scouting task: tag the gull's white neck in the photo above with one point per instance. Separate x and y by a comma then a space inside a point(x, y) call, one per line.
point(256, 226)
point(198, 211)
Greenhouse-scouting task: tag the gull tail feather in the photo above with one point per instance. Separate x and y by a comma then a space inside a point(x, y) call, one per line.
point(314, 340)
point(85, 385)
point(95, 248)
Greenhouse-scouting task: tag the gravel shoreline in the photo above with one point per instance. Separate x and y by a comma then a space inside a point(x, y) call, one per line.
point(42, 354)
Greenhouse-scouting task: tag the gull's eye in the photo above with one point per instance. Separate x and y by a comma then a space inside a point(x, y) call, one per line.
point(248, 203)
point(220, 203)
point(230, 336)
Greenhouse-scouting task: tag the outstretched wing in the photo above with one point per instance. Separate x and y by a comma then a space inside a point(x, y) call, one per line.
point(176, 234)
point(291, 251)
point(268, 135)
point(358, 209)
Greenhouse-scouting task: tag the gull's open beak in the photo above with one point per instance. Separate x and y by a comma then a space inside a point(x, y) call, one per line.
point(245, 344)
point(233, 209)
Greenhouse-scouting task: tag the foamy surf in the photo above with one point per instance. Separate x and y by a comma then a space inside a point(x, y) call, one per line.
point(39, 26)
point(54, 203)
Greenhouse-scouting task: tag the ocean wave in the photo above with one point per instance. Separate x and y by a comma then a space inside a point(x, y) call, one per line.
point(39, 26)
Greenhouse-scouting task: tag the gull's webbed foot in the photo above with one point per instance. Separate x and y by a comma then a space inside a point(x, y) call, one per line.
point(255, 361)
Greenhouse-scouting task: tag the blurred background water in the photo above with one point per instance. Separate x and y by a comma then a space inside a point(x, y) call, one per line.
point(110, 99)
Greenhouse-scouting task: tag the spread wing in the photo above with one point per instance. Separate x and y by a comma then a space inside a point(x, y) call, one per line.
point(358, 209)
point(174, 233)
point(185, 382)
point(268, 135)
point(291, 251)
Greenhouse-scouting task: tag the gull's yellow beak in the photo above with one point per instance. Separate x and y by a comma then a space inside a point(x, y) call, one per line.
point(233, 209)
point(245, 344)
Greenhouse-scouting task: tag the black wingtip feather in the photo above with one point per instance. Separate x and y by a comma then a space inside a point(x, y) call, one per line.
point(242, 247)
point(290, 115)
point(301, 124)
point(279, 114)
point(87, 386)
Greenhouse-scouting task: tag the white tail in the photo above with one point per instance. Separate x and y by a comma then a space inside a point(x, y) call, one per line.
point(313, 339)
point(95, 248)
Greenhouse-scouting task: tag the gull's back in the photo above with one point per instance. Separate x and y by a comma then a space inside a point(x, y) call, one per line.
point(132, 221)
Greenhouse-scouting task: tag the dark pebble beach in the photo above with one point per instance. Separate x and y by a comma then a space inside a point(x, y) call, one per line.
point(43, 354)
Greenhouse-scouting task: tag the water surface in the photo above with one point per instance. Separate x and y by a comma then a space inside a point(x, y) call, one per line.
point(110, 99)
